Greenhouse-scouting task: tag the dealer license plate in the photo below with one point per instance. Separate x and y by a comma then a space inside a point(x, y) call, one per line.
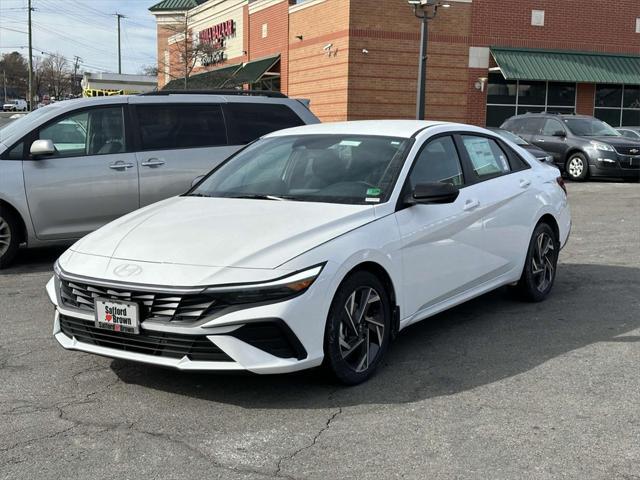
point(117, 316)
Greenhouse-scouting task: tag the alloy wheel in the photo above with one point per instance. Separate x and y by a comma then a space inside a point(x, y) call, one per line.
point(5, 236)
point(576, 167)
point(362, 328)
point(543, 261)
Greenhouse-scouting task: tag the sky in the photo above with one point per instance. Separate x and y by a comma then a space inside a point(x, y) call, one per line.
point(86, 28)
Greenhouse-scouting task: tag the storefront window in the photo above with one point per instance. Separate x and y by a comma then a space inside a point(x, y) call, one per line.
point(506, 98)
point(618, 105)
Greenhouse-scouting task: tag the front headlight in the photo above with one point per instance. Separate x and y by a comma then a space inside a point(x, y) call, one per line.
point(602, 146)
point(279, 289)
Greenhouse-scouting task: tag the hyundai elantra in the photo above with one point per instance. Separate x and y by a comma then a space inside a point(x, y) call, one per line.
point(315, 245)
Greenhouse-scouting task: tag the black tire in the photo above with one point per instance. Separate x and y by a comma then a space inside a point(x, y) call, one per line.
point(9, 237)
point(536, 284)
point(349, 368)
point(577, 167)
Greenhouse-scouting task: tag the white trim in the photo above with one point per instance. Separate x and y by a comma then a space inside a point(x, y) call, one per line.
point(262, 4)
point(302, 6)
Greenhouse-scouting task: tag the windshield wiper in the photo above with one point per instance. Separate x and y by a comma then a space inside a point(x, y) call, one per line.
point(257, 196)
point(197, 195)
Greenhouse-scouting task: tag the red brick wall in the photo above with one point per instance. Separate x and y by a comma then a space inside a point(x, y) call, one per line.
point(383, 82)
point(276, 42)
point(313, 74)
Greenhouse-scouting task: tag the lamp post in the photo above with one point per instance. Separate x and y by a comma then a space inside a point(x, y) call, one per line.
point(425, 10)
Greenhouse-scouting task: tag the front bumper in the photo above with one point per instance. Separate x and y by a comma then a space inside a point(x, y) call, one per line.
point(606, 164)
point(235, 337)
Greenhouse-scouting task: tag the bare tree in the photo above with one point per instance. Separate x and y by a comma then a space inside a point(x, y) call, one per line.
point(14, 72)
point(150, 70)
point(56, 74)
point(188, 49)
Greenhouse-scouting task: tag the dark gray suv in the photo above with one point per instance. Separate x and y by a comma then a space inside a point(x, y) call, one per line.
point(582, 146)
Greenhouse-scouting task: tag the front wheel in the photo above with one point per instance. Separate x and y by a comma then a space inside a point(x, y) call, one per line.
point(9, 238)
point(358, 328)
point(540, 265)
point(577, 167)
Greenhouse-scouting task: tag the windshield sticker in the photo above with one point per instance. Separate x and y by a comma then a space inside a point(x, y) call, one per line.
point(350, 143)
point(372, 199)
point(373, 192)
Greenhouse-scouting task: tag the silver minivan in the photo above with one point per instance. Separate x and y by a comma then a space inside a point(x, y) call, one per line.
point(73, 166)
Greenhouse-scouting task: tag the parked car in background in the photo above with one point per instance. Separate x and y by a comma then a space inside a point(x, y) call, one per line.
point(582, 146)
point(15, 106)
point(70, 167)
point(315, 244)
point(537, 152)
point(630, 132)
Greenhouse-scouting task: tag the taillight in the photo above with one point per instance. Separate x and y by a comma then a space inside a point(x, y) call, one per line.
point(560, 181)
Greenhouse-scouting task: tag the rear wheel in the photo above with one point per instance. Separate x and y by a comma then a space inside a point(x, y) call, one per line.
point(9, 237)
point(358, 328)
point(541, 263)
point(577, 167)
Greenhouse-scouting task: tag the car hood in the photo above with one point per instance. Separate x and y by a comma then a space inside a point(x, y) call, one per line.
point(616, 141)
point(223, 232)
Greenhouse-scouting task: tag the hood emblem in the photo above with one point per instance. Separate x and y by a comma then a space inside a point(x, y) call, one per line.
point(634, 150)
point(127, 270)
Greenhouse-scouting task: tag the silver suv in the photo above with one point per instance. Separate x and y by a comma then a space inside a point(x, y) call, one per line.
point(73, 166)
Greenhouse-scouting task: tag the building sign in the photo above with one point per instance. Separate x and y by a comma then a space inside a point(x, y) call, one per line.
point(216, 35)
point(214, 38)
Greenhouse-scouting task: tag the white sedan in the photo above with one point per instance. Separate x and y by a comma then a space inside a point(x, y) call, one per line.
point(315, 244)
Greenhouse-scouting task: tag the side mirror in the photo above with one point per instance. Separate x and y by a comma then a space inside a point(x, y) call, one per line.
point(559, 133)
point(196, 180)
point(433, 193)
point(42, 147)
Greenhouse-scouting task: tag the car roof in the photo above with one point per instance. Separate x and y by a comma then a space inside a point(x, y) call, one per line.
point(386, 128)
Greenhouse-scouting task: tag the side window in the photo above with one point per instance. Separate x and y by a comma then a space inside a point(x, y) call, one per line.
point(16, 153)
point(551, 126)
point(98, 131)
point(486, 156)
point(437, 162)
point(531, 126)
point(175, 126)
point(248, 121)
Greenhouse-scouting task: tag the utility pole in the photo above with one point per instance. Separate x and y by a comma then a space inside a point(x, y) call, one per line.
point(186, 50)
point(75, 73)
point(30, 100)
point(423, 5)
point(4, 84)
point(119, 16)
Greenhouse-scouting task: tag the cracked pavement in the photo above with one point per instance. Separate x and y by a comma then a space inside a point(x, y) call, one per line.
point(492, 389)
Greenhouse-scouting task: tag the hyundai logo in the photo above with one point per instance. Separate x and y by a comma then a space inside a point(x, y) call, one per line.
point(127, 270)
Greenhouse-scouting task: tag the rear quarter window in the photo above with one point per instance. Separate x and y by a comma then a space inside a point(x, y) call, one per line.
point(249, 121)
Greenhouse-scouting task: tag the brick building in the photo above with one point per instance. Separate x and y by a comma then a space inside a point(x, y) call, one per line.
point(357, 59)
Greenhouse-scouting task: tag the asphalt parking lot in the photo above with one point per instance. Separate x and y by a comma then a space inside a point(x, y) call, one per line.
point(494, 389)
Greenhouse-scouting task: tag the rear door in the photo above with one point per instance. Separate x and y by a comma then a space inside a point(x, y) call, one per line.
point(177, 142)
point(504, 183)
point(91, 179)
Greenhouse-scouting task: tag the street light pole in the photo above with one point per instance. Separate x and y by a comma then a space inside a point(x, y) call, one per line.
point(423, 5)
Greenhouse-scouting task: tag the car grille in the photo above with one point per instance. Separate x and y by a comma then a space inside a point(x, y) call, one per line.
point(169, 306)
point(162, 344)
point(626, 150)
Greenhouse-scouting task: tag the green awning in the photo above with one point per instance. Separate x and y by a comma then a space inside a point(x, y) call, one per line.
point(205, 81)
point(251, 72)
point(173, 5)
point(567, 66)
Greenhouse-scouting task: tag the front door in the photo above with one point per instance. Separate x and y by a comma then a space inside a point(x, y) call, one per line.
point(442, 246)
point(90, 180)
point(552, 138)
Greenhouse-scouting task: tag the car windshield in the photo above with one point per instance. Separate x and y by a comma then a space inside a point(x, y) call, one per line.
point(353, 169)
point(511, 136)
point(590, 127)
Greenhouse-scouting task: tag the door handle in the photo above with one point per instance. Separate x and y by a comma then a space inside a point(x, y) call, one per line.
point(120, 166)
point(470, 205)
point(152, 162)
point(541, 140)
point(524, 183)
